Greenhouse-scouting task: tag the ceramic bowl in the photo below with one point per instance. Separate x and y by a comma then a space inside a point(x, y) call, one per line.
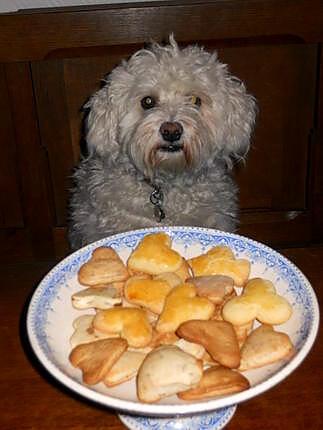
point(50, 317)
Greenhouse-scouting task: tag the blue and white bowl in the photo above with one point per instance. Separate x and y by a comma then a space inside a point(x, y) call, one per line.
point(50, 317)
point(215, 420)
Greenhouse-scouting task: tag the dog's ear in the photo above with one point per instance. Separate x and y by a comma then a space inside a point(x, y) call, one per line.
point(101, 124)
point(240, 115)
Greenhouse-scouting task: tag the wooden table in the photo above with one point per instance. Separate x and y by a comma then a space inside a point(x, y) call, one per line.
point(30, 399)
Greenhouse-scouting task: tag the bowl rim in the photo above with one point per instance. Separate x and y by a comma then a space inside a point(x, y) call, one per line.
point(160, 409)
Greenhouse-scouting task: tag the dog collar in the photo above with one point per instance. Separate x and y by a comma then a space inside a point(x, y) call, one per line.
point(157, 198)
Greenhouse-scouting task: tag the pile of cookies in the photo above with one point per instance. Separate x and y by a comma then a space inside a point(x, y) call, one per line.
point(184, 327)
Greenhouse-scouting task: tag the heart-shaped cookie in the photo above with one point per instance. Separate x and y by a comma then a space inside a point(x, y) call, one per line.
point(265, 346)
point(165, 371)
point(95, 359)
point(104, 267)
point(221, 261)
point(131, 324)
point(216, 381)
point(154, 255)
point(125, 368)
point(149, 293)
point(218, 338)
point(84, 332)
point(183, 304)
point(260, 301)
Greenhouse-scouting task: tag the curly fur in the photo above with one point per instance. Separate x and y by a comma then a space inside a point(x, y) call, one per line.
point(126, 148)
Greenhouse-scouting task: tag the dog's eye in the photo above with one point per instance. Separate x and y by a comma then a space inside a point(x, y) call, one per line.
point(148, 102)
point(196, 101)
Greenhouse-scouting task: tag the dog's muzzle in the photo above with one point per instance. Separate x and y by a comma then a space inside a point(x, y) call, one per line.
point(171, 133)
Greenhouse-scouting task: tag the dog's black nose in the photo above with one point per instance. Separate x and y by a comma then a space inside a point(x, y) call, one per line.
point(171, 131)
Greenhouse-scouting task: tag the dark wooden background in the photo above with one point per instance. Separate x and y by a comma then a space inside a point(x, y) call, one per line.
point(52, 60)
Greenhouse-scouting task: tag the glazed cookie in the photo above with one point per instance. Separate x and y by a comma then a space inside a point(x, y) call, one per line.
point(149, 293)
point(182, 304)
point(221, 261)
point(131, 324)
point(154, 255)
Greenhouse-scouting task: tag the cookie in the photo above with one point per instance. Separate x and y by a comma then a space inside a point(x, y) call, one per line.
point(105, 266)
point(99, 298)
point(265, 346)
point(217, 337)
point(154, 255)
point(192, 348)
point(149, 293)
point(131, 324)
point(260, 301)
point(182, 304)
point(95, 359)
point(166, 371)
point(216, 381)
point(221, 261)
point(217, 288)
point(243, 331)
point(125, 368)
point(84, 331)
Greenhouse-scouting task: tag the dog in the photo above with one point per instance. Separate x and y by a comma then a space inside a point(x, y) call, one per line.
point(162, 136)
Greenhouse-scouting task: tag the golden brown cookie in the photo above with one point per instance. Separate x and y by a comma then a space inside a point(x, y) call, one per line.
point(182, 304)
point(154, 255)
point(218, 338)
point(131, 324)
point(221, 261)
point(258, 300)
point(149, 293)
point(95, 359)
point(216, 381)
point(184, 271)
